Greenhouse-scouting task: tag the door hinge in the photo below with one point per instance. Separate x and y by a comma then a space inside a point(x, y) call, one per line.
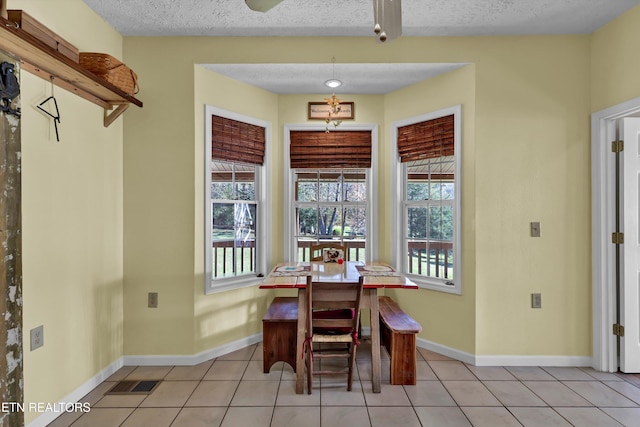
point(617, 146)
point(617, 238)
point(618, 330)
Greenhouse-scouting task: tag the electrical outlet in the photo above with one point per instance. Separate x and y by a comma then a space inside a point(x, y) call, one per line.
point(152, 301)
point(536, 300)
point(37, 337)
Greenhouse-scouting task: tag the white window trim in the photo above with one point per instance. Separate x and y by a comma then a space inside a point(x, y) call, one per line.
point(371, 250)
point(399, 218)
point(263, 230)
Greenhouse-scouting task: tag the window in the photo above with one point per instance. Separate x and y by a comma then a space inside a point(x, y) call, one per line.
point(234, 214)
point(330, 192)
point(331, 205)
point(428, 174)
point(235, 202)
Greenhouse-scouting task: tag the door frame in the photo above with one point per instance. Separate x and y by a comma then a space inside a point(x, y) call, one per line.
point(603, 128)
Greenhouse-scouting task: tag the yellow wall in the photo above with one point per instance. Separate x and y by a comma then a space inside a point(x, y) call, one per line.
point(429, 307)
point(533, 164)
point(72, 220)
point(615, 61)
point(159, 207)
point(224, 317)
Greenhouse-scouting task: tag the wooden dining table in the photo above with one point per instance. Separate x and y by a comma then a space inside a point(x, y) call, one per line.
point(376, 276)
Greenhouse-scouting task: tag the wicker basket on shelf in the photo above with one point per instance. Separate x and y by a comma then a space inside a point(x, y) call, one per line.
point(112, 70)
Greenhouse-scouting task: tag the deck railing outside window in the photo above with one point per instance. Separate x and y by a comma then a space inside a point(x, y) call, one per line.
point(433, 259)
point(355, 249)
point(226, 251)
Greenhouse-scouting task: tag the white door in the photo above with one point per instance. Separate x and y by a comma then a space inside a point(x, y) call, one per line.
point(630, 250)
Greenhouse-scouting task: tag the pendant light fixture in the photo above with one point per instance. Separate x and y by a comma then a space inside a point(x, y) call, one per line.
point(333, 82)
point(333, 102)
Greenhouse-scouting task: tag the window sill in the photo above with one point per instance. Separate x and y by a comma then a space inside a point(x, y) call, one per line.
point(435, 284)
point(217, 286)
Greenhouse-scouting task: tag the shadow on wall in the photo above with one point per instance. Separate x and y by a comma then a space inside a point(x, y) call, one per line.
point(108, 329)
point(225, 317)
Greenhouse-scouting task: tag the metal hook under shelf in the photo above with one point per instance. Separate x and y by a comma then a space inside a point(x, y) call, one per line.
point(56, 117)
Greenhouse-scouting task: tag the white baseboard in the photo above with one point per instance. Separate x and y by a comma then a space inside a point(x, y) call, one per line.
point(446, 351)
point(512, 360)
point(47, 417)
point(181, 360)
point(504, 360)
point(190, 360)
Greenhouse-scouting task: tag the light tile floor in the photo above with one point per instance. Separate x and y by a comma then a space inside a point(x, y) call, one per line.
point(232, 391)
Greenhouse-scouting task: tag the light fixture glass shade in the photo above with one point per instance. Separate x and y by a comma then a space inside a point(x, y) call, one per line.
point(262, 5)
point(333, 83)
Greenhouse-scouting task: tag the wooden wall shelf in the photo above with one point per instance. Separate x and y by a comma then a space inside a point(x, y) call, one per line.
point(43, 61)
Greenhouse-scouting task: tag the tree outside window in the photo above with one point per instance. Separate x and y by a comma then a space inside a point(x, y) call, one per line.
point(331, 205)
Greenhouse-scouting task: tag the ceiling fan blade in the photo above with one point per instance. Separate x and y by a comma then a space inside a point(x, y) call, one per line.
point(388, 19)
point(262, 5)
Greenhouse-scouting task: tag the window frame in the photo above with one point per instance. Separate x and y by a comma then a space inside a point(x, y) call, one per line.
point(263, 209)
point(401, 204)
point(371, 248)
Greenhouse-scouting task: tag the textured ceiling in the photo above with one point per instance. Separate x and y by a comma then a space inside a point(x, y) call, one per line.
point(355, 17)
point(351, 18)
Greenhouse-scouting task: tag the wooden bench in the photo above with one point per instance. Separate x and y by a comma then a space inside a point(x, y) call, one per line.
point(279, 329)
point(398, 334)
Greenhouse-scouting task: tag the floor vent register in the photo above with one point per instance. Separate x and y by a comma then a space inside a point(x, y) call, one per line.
point(134, 387)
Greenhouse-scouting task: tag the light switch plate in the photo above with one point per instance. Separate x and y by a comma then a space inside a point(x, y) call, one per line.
point(535, 229)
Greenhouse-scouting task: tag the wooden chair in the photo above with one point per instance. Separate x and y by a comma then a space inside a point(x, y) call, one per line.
point(324, 330)
point(316, 251)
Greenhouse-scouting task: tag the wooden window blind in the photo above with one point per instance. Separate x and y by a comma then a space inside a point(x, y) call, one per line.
point(333, 150)
point(426, 140)
point(236, 141)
